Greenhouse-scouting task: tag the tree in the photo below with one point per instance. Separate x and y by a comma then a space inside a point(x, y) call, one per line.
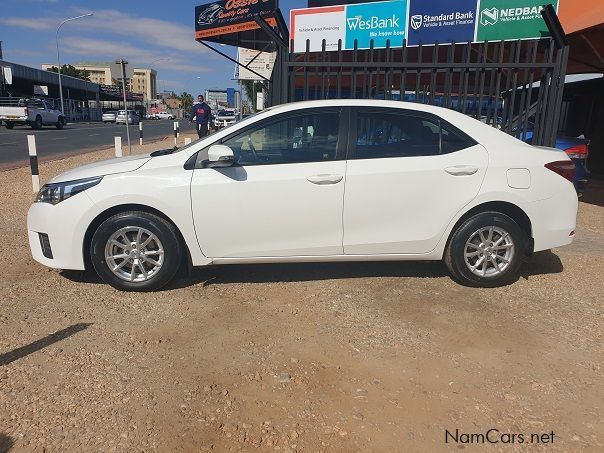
point(186, 100)
point(251, 87)
point(72, 71)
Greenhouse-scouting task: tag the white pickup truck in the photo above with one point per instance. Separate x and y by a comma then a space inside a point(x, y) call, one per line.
point(33, 112)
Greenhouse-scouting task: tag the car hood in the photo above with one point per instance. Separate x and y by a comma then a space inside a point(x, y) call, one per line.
point(104, 167)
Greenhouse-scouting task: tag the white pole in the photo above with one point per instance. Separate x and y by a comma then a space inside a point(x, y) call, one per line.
point(33, 163)
point(124, 63)
point(175, 134)
point(118, 146)
point(187, 140)
point(140, 133)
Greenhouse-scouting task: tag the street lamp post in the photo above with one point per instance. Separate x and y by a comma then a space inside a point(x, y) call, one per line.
point(59, 57)
point(148, 68)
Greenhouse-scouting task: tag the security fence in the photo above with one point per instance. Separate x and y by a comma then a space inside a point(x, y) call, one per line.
point(512, 85)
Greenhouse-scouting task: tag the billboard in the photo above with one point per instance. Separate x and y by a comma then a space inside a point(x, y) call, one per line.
point(231, 16)
point(419, 21)
point(441, 21)
point(260, 62)
point(379, 21)
point(511, 19)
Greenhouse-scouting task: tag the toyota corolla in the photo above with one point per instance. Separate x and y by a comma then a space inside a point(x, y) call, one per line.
point(340, 180)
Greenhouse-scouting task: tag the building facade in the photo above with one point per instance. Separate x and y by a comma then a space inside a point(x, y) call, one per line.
point(143, 81)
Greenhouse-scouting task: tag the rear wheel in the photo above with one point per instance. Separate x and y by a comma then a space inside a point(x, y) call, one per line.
point(9, 125)
point(60, 123)
point(486, 250)
point(136, 251)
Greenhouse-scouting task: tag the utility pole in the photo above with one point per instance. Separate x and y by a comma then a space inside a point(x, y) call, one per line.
point(123, 63)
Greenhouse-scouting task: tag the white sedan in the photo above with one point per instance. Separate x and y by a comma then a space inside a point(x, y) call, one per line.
point(337, 180)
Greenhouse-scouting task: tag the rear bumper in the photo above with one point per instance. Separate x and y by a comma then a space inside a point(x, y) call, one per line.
point(553, 220)
point(580, 179)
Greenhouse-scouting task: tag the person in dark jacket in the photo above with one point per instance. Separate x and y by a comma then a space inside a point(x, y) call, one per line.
point(203, 115)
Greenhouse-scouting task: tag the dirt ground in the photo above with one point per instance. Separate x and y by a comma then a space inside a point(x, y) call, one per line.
point(314, 357)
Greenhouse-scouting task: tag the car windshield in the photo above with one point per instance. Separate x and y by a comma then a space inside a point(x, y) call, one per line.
point(226, 113)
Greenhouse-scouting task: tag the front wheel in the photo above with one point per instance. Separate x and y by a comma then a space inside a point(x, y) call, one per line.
point(136, 251)
point(486, 250)
point(9, 125)
point(60, 123)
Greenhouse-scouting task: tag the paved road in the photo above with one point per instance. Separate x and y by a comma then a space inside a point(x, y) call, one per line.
point(75, 137)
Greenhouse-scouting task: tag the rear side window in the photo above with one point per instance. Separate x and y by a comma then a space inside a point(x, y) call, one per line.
point(388, 133)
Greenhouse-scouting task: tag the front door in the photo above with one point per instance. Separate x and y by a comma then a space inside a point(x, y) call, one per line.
point(409, 175)
point(284, 194)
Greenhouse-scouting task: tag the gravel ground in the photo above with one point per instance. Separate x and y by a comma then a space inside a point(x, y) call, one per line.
point(312, 357)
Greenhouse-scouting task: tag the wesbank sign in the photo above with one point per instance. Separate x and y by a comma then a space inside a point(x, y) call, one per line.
point(418, 21)
point(380, 21)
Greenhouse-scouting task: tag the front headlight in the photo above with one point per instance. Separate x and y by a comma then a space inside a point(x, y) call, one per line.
point(56, 192)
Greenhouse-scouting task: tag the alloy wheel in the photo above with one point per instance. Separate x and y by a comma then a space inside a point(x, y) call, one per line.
point(134, 254)
point(489, 251)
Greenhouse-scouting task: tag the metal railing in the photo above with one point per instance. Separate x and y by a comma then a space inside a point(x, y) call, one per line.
point(512, 85)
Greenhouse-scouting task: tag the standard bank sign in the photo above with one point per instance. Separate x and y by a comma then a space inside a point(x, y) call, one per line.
point(441, 20)
point(378, 21)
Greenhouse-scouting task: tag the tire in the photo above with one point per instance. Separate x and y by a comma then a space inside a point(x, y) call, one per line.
point(504, 231)
point(9, 125)
point(37, 124)
point(60, 123)
point(160, 235)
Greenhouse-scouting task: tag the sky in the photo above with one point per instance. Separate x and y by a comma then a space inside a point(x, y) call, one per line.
point(156, 33)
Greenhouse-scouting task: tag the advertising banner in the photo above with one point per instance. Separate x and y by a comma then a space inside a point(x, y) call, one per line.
point(231, 16)
point(316, 25)
point(41, 90)
point(441, 20)
point(261, 62)
point(420, 21)
point(379, 21)
point(511, 19)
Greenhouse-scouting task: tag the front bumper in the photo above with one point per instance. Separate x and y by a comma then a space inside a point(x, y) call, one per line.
point(65, 225)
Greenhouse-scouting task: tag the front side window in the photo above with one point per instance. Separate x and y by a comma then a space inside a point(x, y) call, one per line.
point(391, 133)
point(294, 138)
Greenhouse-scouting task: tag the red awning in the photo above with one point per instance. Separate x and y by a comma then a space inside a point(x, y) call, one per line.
point(583, 22)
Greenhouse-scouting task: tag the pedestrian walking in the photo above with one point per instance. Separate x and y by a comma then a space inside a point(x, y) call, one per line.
point(202, 115)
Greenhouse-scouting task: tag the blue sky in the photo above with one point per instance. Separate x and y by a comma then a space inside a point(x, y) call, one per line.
point(140, 31)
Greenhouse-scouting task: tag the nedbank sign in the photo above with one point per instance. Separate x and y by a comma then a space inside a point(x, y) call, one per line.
point(511, 19)
point(418, 21)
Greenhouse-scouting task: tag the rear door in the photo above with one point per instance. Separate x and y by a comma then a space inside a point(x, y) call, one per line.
point(408, 175)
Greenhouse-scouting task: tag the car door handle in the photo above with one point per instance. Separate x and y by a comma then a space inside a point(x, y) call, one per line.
point(323, 180)
point(461, 170)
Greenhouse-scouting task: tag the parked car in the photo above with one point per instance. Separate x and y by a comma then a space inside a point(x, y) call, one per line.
point(151, 116)
point(109, 116)
point(164, 116)
point(225, 118)
point(337, 180)
point(133, 117)
point(32, 112)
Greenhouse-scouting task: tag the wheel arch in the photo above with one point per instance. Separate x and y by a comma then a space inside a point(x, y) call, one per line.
point(100, 218)
point(504, 207)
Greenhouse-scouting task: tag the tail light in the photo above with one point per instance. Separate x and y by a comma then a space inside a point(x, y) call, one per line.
point(564, 168)
point(577, 152)
point(26, 111)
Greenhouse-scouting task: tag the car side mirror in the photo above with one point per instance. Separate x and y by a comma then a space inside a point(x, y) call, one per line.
point(220, 156)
